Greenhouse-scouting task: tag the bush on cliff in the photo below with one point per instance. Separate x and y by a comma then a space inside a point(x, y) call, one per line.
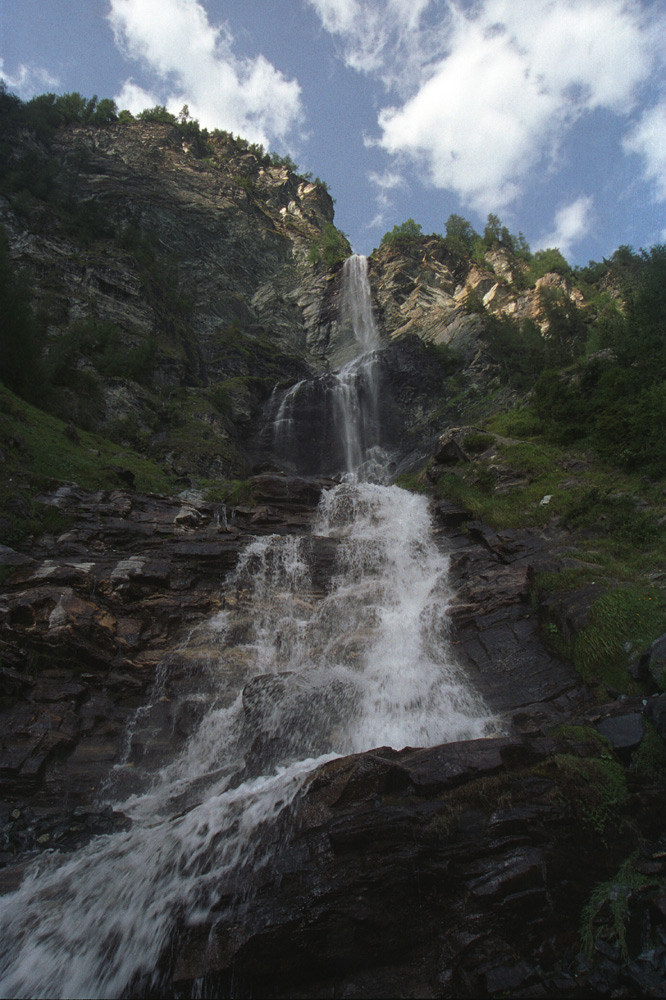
point(405, 235)
point(616, 402)
point(330, 248)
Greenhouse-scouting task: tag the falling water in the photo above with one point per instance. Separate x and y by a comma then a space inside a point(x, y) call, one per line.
point(343, 406)
point(302, 671)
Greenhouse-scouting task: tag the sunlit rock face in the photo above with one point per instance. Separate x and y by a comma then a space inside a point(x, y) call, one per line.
point(424, 290)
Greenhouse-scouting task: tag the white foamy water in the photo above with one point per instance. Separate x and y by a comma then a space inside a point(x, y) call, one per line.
point(346, 402)
point(330, 644)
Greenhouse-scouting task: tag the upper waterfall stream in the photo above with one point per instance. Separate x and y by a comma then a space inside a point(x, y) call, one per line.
point(333, 424)
point(301, 672)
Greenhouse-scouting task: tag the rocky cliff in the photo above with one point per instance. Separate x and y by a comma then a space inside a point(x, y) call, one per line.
point(197, 264)
point(178, 282)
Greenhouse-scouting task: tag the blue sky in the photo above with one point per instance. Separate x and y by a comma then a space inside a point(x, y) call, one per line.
point(550, 113)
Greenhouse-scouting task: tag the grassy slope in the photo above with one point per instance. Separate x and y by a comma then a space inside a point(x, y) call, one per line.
point(37, 453)
point(617, 525)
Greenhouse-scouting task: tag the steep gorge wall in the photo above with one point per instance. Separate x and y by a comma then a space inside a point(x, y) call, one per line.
point(199, 261)
point(204, 259)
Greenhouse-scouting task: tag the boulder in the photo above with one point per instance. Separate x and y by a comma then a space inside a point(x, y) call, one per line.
point(449, 450)
point(623, 731)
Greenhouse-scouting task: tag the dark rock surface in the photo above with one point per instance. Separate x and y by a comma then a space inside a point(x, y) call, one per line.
point(459, 870)
point(495, 629)
point(87, 617)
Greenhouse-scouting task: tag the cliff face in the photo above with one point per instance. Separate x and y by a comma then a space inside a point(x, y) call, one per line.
point(178, 292)
point(177, 288)
point(426, 291)
point(201, 263)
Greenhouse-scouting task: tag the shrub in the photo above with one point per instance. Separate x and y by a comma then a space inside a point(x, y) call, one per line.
point(476, 441)
point(157, 114)
point(521, 350)
point(404, 235)
point(330, 248)
point(446, 356)
point(611, 896)
point(547, 262)
point(594, 788)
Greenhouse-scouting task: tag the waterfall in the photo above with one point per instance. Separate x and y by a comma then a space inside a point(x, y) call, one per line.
point(333, 424)
point(303, 673)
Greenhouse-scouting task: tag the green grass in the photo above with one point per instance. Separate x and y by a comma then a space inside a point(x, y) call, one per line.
point(595, 789)
point(617, 533)
point(39, 455)
point(48, 454)
point(612, 895)
point(634, 614)
point(415, 482)
point(520, 422)
point(475, 485)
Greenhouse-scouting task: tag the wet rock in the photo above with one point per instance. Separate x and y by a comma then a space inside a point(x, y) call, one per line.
point(451, 514)
point(94, 612)
point(454, 868)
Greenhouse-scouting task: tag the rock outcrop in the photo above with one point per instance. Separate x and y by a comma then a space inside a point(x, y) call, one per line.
point(86, 619)
point(423, 289)
point(456, 871)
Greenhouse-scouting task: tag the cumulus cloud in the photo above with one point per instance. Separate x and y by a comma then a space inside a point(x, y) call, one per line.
point(495, 84)
point(195, 64)
point(382, 37)
point(648, 139)
point(28, 80)
point(572, 223)
point(514, 77)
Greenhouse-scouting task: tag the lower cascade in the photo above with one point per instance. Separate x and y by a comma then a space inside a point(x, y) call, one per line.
point(302, 672)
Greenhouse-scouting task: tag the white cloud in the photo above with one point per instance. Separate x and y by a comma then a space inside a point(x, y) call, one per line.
point(195, 64)
point(384, 182)
point(382, 37)
point(648, 139)
point(377, 221)
point(494, 85)
point(572, 223)
point(28, 80)
point(135, 98)
point(472, 125)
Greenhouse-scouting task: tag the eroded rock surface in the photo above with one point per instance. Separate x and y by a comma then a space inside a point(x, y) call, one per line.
point(458, 870)
point(87, 617)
